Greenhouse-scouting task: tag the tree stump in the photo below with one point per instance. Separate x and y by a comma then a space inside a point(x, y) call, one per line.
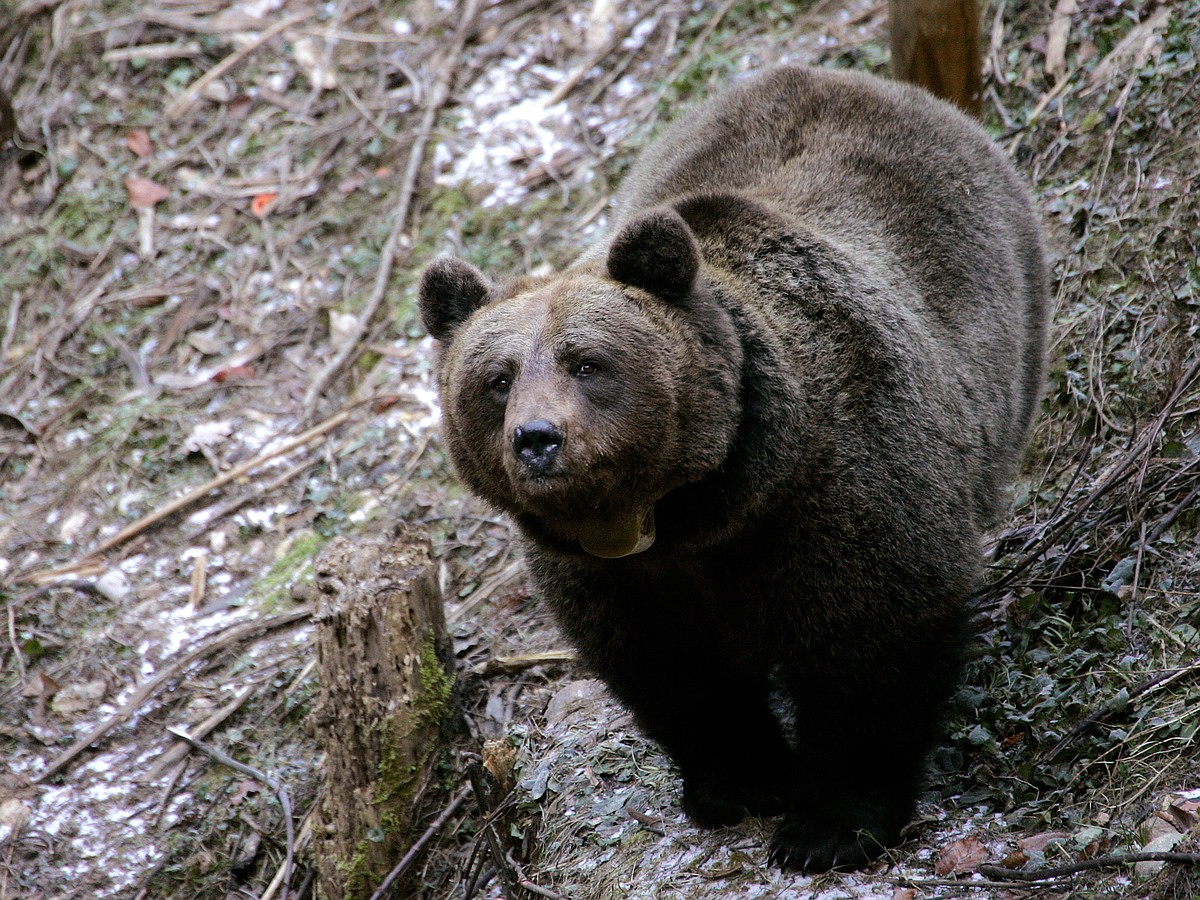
point(386, 689)
point(935, 43)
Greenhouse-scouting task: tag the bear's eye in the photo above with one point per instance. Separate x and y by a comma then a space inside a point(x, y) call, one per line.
point(500, 384)
point(586, 369)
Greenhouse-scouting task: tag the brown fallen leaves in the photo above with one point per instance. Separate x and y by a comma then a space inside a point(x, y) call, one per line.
point(138, 142)
point(144, 193)
point(960, 857)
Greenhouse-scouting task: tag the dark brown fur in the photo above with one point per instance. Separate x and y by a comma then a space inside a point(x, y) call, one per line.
point(809, 357)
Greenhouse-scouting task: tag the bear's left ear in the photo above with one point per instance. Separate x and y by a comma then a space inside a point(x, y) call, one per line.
point(451, 289)
point(657, 252)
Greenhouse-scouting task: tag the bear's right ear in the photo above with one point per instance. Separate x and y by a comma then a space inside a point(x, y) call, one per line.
point(657, 252)
point(451, 289)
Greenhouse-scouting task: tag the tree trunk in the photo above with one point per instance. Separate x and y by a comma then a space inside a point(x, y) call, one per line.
point(387, 682)
point(935, 43)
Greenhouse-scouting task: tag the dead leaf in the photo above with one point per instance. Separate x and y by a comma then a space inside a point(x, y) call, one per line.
point(1096, 848)
point(138, 142)
point(245, 787)
point(14, 814)
point(1037, 843)
point(312, 60)
point(960, 857)
point(72, 526)
point(206, 434)
point(384, 403)
point(904, 893)
point(144, 193)
point(239, 106)
point(499, 757)
point(1015, 860)
point(206, 343)
point(262, 203)
point(78, 698)
point(343, 327)
point(40, 685)
point(233, 373)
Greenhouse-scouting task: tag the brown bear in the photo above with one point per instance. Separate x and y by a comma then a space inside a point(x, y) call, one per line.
point(752, 440)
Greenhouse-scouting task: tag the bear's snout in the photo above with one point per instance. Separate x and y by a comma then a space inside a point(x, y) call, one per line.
point(536, 445)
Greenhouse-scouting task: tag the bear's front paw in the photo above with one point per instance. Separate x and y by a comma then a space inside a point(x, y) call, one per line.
point(812, 844)
point(712, 802)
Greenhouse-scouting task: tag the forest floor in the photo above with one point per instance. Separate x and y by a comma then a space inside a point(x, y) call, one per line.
point(211, 223)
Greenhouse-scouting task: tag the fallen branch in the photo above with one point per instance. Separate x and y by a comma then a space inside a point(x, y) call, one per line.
point(191, 497)
point(511, 665)
point(435, 99)
point(433, 829)
point(232, 635)
point(280, 792)
point(184, 100)
point(524, 882)
point(1100, 862)
point(203, 730)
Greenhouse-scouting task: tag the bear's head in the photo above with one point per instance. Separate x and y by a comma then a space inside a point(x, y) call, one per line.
point(577, 402)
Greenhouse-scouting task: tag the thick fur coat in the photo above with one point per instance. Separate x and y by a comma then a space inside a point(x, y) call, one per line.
point(755, 436)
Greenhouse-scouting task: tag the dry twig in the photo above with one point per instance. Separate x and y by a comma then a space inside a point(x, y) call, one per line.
point(1162, 679)
point(232, 635)
point(435, 99)
point(433, 829)
point(178, 106)
point(280, 792)
point(490, 806)
point(193, 495)
point(1100, 862)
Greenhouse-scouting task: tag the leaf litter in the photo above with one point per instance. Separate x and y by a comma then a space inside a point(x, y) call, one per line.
point(267, 145)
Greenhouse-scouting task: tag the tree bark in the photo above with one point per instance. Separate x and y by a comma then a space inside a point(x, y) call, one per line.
point(387, 682)
point(935, 43)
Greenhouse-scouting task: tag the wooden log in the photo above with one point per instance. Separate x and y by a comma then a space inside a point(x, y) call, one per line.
point(935, 43)
point(386, 691)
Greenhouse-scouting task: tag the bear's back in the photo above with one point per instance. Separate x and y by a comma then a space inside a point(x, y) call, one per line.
point(912, 193)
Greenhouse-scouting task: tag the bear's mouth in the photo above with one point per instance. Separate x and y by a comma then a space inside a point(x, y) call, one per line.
point(540, 484)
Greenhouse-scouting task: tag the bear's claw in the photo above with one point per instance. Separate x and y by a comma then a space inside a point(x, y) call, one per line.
point(811, 846)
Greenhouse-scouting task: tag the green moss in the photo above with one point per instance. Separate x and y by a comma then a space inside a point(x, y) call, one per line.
point(397, 775)
point(356, 873)
point(294, 565)
point(437, 686)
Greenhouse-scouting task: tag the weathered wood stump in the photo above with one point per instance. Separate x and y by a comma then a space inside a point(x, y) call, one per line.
point(386, 690)
point(935, 43)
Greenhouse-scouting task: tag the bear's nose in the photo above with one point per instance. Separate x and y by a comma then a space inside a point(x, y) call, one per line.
point(536, 444)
